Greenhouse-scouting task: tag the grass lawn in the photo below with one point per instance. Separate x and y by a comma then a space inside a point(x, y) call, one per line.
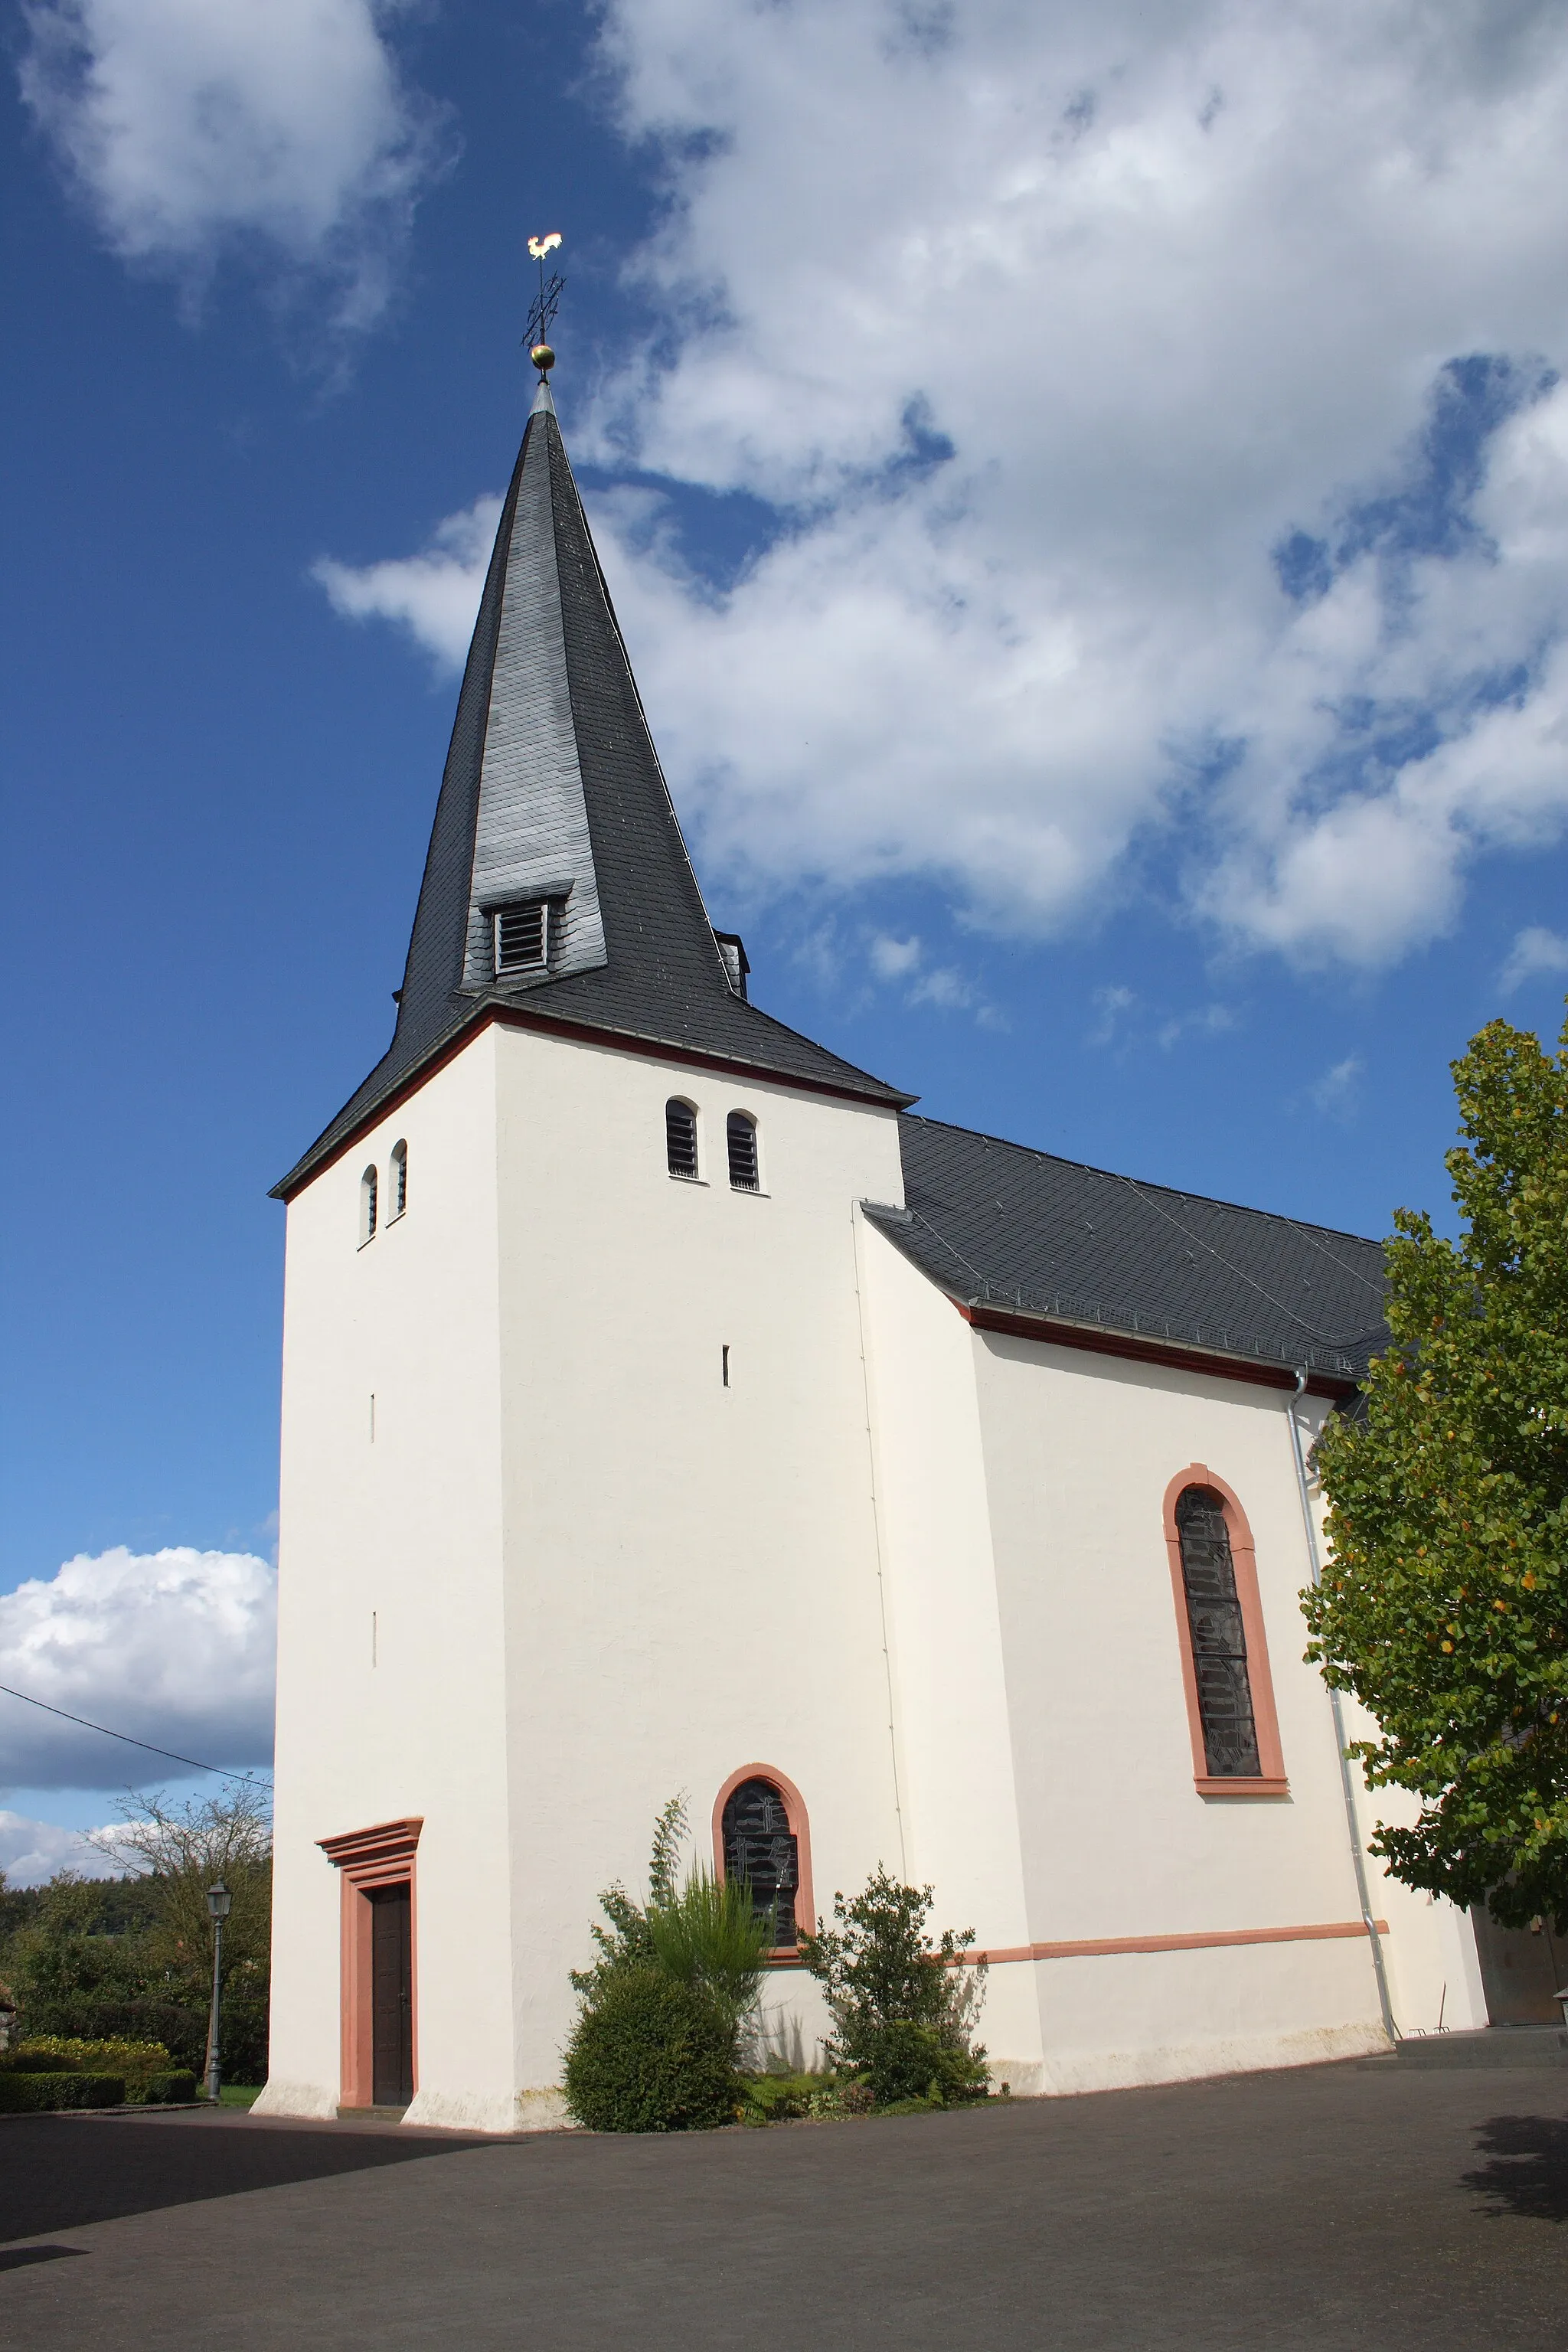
point(238, 2094)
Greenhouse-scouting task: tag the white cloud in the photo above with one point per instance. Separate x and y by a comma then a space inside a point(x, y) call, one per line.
point(1044, 328)
point(174, 1647)
point(434, 594)
point(32, 1851)
point(894, 959)
point(1334, 1093)
point(192, 126)
point(946, 987)
point(1534, 952)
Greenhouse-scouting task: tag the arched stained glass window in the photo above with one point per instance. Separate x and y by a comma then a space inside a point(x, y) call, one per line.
point(368, 1191)
point(1219, 1640)
point(761, 1848)
point(399, 1179)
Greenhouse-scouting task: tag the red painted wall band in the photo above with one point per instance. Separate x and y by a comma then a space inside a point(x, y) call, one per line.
point(1097, 1946)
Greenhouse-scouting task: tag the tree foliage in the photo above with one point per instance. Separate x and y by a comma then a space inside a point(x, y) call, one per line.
point(1444, 1604)
point(131, 1956)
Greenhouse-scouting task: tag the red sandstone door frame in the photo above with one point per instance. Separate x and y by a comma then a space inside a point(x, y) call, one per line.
point(366, 1859)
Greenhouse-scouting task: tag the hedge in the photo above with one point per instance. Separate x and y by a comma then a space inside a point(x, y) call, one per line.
point(24, 2094)
point(651, 2053)
point(173, 2090)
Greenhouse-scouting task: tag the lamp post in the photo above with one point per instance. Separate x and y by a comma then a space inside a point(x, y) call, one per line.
point(218, 1902)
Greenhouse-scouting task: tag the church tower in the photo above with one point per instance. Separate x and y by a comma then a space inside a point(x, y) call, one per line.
point(576, 1506)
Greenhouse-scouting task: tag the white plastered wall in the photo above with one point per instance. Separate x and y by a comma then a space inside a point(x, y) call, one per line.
point(599, 1575)
point(391, 1683)
point(691, 1569)
point(955, 1747)
point(1044, 1740)
point(1081, 1448)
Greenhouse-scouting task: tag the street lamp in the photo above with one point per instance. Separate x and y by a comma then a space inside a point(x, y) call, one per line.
point(220, 1900)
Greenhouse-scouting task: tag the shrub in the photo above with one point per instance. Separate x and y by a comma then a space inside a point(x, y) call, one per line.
point(35, 2061)
point(650, 2053)
point(35, 2094)
point(903, 2061)
point(903, 2007)
point(778, 2098)
point(709, 1933)
point(181, 2032)
point(137, 2062)
point(176, 2089)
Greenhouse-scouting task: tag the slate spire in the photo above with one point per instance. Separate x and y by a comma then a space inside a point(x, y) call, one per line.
point(552, 792)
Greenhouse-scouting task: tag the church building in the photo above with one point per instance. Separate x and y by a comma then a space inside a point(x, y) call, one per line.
point(668, 1406)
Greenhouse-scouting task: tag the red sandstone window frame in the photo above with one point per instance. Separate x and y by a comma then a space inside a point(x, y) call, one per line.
point(382, 1856)
point(1271, 1780)
point(782, 1955)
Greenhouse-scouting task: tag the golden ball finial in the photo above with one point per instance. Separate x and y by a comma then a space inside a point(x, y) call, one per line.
point(543, 358)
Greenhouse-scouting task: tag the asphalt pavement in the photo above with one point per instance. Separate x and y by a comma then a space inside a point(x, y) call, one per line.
point(1367, 2206)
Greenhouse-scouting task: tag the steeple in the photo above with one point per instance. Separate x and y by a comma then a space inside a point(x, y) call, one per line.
point(553, 813)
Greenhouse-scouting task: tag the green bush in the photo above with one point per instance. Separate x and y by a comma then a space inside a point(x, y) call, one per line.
point(902, 2061)
point(904, 2009)
point(649, 2054)
point(176, 2089)
point(25, 2094)
point(137, 2062)
point(779, 2099)
point(26, 2061)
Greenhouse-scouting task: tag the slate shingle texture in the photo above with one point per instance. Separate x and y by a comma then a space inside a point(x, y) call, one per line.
point(661, 978)
point(997, 1224)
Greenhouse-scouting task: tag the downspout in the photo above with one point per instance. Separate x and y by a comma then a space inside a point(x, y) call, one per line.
point(1347, 1783)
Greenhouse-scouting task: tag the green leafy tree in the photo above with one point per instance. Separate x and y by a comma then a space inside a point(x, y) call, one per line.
point(1444, 1607)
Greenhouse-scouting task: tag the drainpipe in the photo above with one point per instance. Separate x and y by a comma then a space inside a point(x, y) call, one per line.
point(1347, 1783)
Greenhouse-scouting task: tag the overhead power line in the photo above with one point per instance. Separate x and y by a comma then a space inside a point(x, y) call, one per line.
point(67, 1717)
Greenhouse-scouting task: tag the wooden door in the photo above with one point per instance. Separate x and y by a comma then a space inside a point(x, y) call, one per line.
point(1521, 1971)
point(392, 1996)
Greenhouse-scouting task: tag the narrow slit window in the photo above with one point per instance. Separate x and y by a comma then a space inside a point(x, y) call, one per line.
point(680, 1137)
point(368, 1189)
point(399, 1179)
point(761, 1850)
point(741, 1133)
point(522, 937)
point(1219, 1640)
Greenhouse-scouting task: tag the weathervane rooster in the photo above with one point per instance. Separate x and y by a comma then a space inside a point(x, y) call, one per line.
point(546, 304)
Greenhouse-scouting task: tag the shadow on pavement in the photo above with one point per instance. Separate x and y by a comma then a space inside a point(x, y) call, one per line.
point(1529, 2169)
point(18, 2257)
point(62, 2172)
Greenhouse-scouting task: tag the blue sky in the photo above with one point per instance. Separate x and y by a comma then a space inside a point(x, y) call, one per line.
point(1088, 505)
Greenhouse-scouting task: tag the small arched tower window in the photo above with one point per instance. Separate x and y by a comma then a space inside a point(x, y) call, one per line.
point(740, 1134)
point(367, 1200)
point(399, 1180)
point(681, 1137)
point(1218, 1635)
point(758, 1846)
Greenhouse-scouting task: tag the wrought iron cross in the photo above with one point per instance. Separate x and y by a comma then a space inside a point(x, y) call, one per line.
point(548, 300)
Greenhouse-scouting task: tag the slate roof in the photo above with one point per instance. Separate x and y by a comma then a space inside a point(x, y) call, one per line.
point(997, 1224)
point(552, 786)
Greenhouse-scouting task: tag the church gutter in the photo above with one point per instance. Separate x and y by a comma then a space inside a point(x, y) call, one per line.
point(1096, 1339)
